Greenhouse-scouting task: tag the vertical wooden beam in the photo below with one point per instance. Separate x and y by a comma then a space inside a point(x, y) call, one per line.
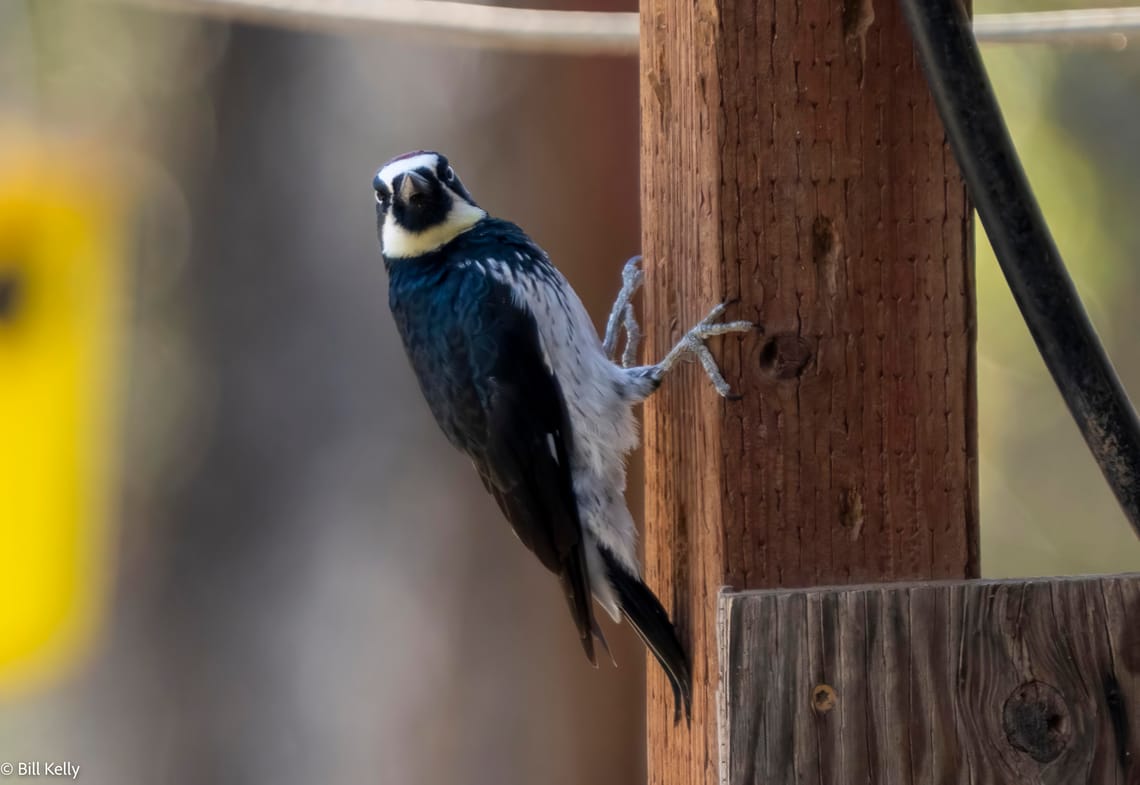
point(793, 164)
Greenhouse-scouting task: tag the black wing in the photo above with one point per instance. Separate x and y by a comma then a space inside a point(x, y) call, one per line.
point(525, 460)
point(480, 365)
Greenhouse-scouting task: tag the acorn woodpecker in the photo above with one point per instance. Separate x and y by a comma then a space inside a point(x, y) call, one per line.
point(518, 379)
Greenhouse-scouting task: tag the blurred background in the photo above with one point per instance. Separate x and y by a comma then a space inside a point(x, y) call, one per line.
point(278, 570)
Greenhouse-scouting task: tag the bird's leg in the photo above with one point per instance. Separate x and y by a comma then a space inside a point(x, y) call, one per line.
point(632, 337)
point(693, 342)
point(631, 278)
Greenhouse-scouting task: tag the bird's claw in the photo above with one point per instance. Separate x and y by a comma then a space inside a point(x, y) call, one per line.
point(694, 343)
point(632, 275)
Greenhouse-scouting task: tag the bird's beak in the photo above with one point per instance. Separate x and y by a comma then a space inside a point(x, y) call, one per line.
point(413, 184)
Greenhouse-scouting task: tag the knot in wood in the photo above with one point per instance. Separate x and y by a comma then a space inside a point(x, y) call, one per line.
point(823, 698)
point(1036, 721)
point(784, 356)
point(825, 244)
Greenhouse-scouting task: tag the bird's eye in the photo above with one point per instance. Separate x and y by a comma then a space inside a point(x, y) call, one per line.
point(448, 174)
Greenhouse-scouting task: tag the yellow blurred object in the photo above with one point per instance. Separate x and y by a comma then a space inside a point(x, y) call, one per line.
point(60, 260)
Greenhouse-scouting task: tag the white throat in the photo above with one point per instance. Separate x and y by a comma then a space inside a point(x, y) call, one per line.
point(399, 243)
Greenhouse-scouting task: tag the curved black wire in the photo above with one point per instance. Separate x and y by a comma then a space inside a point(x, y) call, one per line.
point(1023, 246)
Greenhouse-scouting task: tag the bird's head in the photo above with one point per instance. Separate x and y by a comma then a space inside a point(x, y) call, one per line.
point(421, 205)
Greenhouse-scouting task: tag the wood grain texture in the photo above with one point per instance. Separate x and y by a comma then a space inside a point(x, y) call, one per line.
point(793, 164)
point(978, 682)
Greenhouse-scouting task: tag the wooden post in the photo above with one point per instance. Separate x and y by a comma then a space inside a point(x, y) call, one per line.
point(794, 165)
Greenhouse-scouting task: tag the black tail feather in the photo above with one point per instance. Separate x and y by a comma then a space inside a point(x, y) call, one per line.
point(575, 583)
point(649, 620)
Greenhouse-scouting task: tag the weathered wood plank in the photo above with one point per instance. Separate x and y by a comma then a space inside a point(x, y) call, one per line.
point(977, 682)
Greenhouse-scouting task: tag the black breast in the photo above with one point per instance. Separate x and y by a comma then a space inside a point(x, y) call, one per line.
point(454, 316)
point(440, 312)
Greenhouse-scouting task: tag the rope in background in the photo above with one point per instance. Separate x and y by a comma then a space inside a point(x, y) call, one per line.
point(590, 32)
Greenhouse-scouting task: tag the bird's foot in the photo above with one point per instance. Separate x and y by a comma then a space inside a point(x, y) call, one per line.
point(693, 342)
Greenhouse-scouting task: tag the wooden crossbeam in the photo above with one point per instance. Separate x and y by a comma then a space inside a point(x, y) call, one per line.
point(971, 682)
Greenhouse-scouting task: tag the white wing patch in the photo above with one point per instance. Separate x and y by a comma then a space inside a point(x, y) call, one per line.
point(602, 426)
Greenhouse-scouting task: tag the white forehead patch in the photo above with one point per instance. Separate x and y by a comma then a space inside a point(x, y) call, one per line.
point(401, 165)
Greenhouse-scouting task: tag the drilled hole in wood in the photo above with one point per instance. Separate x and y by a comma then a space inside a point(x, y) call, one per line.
point(784, 356)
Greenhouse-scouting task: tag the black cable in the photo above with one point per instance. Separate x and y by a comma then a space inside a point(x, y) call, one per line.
point(1023, 246)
